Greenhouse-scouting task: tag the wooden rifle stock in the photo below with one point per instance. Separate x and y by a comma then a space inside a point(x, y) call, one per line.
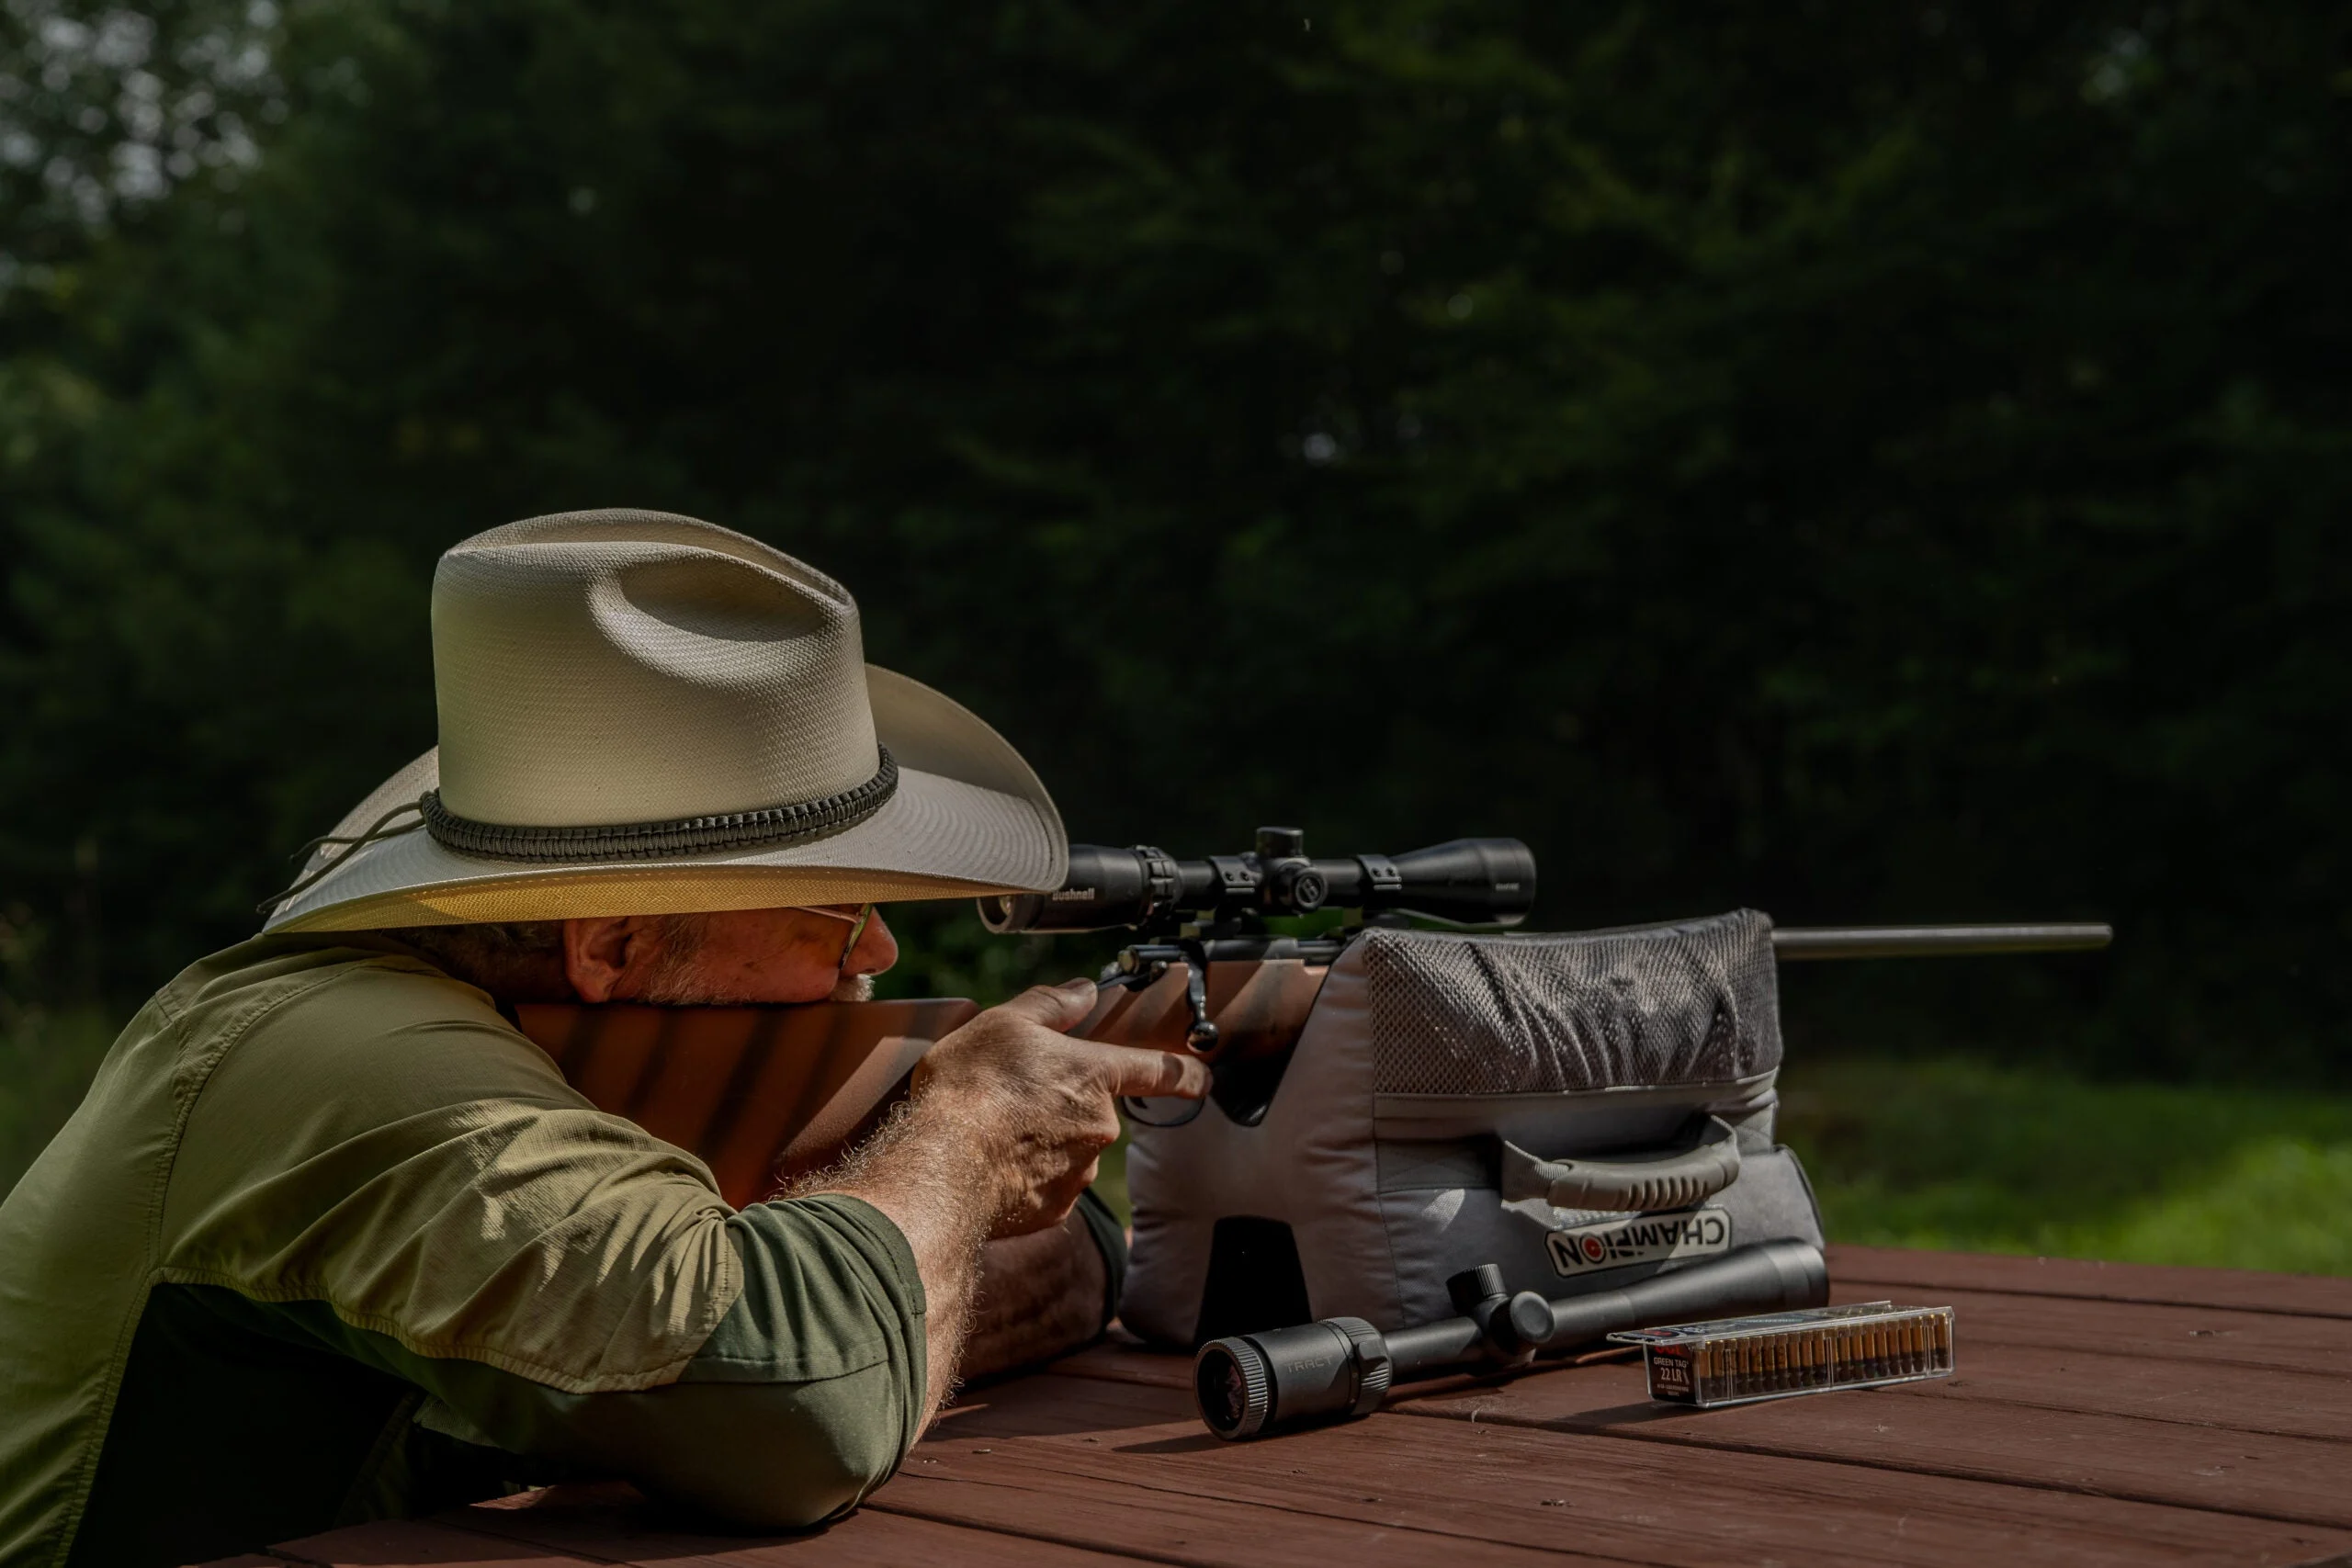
point(759, 1094)
point(762, 1095)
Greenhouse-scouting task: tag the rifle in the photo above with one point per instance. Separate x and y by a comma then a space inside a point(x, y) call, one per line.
point(763, 1094)
point(1209, 977)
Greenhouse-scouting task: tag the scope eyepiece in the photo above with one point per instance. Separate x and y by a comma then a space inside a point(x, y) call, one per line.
point(1472, 881)
point(1332, 1367)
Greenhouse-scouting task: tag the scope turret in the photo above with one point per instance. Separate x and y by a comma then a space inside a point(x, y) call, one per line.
point(1470, 881)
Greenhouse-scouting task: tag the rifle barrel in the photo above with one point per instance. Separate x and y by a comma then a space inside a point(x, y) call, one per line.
point(1794, 943)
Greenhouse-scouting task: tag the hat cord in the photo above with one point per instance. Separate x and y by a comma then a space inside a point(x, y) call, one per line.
point(768, 826)
point(352, 845)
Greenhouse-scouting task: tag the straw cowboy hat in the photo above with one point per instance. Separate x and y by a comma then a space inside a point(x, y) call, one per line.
point(642, 713)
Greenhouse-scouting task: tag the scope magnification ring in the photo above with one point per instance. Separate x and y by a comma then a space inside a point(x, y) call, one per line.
point(1161, 883)
point(1368, 1349)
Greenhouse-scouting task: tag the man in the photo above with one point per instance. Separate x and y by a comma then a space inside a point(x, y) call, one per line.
point(331, 1240)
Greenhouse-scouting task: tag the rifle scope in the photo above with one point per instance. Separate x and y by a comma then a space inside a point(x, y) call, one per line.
point(1249, 1386)
point(1471, 881)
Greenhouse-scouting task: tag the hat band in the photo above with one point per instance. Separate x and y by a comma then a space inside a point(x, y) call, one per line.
point(765, 827)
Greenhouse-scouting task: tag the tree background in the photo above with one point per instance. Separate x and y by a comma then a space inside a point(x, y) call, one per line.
point(1866, 462)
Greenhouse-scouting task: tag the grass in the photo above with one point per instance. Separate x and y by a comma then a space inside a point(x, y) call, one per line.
point(1950, 1154)
point(1958, 1155)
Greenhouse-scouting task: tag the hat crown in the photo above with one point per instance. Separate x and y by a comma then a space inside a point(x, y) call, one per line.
point(597, 669)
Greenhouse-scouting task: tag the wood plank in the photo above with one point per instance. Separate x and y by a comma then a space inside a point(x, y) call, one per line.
point(2236, 1398)
point(418, 1543)
point(2242, 1290)
point(1120, 1361)
point(612, 1524)
point(2255, 1475)
point(1086, 1445)
point(2313, 1347)
point(1206, 1531)
point(973, 1467)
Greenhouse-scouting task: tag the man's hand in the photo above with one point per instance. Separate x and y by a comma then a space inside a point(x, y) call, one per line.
point(1039, 1106)
point(1001, 1134)
point(1039, 1295)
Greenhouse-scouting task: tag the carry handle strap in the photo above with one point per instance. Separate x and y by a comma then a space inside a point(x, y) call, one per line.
point(1638, 1184)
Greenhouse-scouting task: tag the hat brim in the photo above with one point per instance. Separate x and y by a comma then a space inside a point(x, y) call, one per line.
point(969, 817)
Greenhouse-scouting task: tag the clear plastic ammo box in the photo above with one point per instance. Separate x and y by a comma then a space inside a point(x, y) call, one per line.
point(1737, 1360)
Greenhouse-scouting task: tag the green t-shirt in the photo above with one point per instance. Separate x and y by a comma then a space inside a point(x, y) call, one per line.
point(330, 1241)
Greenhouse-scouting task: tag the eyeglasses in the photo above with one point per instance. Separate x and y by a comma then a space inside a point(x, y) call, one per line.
point(859, 917)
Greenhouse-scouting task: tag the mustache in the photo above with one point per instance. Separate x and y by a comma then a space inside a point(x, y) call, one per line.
point(853, 988)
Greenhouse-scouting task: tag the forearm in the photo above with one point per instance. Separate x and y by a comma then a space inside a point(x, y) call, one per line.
point(928, 1180)
point(1039, 1295)
point(1000, 1138)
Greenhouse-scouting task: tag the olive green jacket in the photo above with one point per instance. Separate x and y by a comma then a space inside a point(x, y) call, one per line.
point(330, 1240)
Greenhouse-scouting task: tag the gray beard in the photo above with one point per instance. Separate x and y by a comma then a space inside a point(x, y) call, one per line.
point(673, 984)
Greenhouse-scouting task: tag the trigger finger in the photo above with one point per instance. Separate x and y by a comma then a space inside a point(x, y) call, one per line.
point(1150, 1074)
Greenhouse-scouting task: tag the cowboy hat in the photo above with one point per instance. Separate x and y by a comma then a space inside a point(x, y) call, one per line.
point(642, 713)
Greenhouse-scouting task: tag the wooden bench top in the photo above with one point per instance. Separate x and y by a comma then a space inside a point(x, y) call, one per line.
point(2100, 1414)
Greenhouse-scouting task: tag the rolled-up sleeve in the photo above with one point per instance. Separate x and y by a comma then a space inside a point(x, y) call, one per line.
point(803, 1399)
point(826, 1341)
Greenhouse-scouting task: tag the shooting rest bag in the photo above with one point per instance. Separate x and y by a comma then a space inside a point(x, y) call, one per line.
point(1582, 1110)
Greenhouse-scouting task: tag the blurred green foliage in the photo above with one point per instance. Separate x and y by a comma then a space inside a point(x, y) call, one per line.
point(47, 1054)
point(1861, 461)
point(47, 1059)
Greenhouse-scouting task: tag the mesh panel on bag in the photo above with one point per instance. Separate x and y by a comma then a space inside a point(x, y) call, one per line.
point(1693, 1001)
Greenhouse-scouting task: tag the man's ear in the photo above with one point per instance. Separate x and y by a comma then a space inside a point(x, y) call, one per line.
point(596, 953)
